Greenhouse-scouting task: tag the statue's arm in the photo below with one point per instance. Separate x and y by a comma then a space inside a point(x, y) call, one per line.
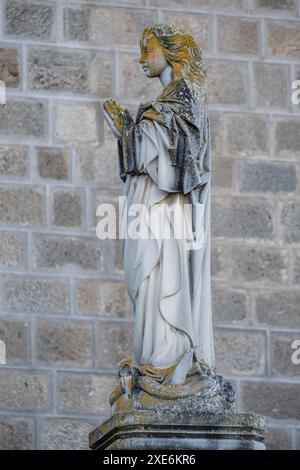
point(123, 128)
point(111, 124)
point(117, 117)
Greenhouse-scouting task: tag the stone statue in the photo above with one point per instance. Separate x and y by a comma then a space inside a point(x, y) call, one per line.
point(164, 158)
point(165, 161)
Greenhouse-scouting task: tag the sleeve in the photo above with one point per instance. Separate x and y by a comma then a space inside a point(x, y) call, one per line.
point(175, 153)
point(154, 158)
point(188, 143)
point(196, 167)
point(144, 148)
point(127, 152)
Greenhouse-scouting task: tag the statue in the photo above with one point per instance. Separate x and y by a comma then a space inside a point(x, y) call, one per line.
point(164, 158)
point(165, 161)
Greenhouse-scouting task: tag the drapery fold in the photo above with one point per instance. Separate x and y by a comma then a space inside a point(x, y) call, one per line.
point(168, 284)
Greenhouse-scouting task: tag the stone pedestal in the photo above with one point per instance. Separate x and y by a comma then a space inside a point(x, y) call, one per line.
point(147, 429)
point(149, 412)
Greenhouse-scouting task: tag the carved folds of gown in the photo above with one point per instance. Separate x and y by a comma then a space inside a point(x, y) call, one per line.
point(165, 160)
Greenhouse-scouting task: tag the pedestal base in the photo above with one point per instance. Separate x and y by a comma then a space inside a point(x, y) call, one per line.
point(147, 430)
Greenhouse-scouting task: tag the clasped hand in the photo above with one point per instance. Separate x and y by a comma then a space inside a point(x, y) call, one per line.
point(117, 117)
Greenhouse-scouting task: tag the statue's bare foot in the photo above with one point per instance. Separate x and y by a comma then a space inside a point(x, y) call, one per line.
point(126, 372)
point(180, 372)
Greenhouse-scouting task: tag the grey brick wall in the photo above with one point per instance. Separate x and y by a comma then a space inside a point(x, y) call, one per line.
point(65, 315)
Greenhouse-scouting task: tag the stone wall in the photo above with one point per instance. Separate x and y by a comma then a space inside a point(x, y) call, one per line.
point(65, 316)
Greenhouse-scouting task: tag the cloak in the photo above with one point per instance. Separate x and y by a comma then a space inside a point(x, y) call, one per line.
point(184, 281)
point(181, 109)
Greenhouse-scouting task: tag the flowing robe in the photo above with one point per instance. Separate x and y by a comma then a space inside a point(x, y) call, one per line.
point(164, 160)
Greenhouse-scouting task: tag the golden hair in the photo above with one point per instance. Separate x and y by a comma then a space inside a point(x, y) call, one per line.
point(180, 50)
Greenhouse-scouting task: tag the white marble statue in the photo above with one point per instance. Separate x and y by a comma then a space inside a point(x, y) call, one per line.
point(164, 157)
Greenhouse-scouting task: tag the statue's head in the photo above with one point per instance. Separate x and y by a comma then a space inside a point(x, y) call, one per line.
point(165, 45)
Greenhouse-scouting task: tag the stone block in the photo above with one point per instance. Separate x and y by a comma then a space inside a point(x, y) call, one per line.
point(271, 399)
point(13, 161)
point(298, 439)
point(278, 6)
point(180, 430)
point(53, 163)
point(238, 218)
point(271, 85)
point(278, 308)
point(99, 164)
point(277, 439)
point(218, 133)
point(263, 265)
point(57, 252)
point(13, 249)
point(103, 298)
point(26, 119)
point(282, 351)
point(85, 393)
point(70, 70)
point(9, 66)
point(240, 352)
point(267, 177)
point(111, 198)
point(296, 268)
point(76, 124)
point(16, 434)
point(238, 35)
point(245, 135)
point(115, 343)
point(29, 20)
point(290, 221)
point(218, 263)
point(287, 135)
point(222, 175)
point(220, 89)
point(283, 39)
point(118, 256)
point(210, 4)
point(27, 294)
point(23, 206)
point(106, 26)
point(65, 434)
point(24, 391)
point(64, 344)
point(68, 208)
point(229, 305)
point(14, 333)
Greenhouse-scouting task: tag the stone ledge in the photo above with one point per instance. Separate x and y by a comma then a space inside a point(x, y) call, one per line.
point(149, 430)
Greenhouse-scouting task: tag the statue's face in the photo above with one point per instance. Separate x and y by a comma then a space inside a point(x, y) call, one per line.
point(152, 58)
